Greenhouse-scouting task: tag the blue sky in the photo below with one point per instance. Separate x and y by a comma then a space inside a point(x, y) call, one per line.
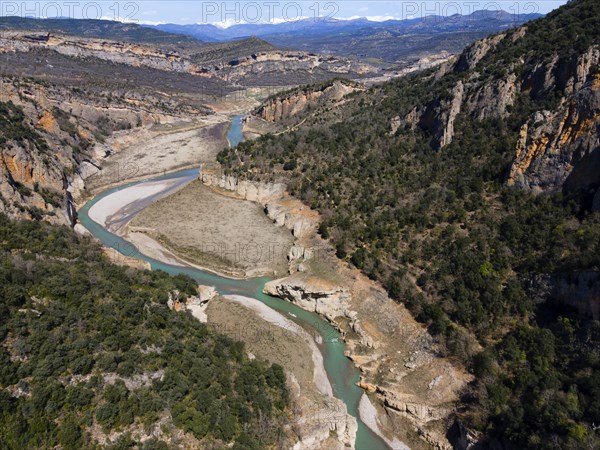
point(226, 13)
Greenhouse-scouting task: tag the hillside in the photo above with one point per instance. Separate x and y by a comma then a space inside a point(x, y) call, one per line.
point(92, 356)
point(470, 192)
point(99, 29)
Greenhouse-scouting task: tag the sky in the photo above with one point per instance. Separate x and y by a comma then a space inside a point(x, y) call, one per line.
point(227, 13)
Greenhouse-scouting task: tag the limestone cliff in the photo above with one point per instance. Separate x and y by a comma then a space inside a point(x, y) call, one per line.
point(286, 106)
point(53, 138)
point(253, 191)
point(561, 147)
point(558, 146)
point(202, 62)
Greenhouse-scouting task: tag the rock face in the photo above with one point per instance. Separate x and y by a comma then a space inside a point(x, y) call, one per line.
point(283, 107)
point(248, 190)
point(311, 294)
point(440, 115)
point(580, 290)
point(196, 304)
point(60, 144)
point(329, 428)
point(469, 59)
point(561, 148)
point(300, 226)
point(202, 61)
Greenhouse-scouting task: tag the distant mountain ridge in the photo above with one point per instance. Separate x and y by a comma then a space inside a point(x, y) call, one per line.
point(478, 20)
point(390, 41)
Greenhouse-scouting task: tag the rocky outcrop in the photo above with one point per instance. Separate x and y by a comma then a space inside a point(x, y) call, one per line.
point(248, 190)
point(580, 290)
point(439, 117)
point(61, 143)
point(327, 428)
point(558, 148)
point(561, 148)
point(469, 59)
point(311, 294)
point(283, 107)
point(299, 225)
point(492, 99)
point(196, 304)
point(462, 438)
point(420, 411)
point(577, 289)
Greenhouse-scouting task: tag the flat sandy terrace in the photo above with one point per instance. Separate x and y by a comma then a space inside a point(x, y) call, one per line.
point(115, 210)
point(226, 234)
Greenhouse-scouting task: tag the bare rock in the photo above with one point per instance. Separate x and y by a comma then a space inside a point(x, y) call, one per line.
point(283, 107)
point(476, 52)
point(560, 149)
point(302, 227)
point(329, 301)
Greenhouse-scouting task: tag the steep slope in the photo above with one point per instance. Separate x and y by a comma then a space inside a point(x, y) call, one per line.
point(288, 104)
point(427, 184)
point(54, 136)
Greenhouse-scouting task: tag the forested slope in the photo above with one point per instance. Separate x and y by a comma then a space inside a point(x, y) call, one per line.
point(469, 192)
point(91, 355)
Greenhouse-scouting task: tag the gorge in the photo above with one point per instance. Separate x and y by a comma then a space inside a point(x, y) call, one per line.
point(343, 375)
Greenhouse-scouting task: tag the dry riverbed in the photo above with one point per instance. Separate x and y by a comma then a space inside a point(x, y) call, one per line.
point(134, 155)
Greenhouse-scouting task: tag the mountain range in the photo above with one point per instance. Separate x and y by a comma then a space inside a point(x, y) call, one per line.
point(390, 41)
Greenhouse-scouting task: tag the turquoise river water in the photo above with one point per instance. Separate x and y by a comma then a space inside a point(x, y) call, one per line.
point(340, 371)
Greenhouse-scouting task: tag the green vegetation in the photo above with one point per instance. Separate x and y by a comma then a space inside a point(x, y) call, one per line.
point(14, 128)
point(466, 254)
point(86, 342)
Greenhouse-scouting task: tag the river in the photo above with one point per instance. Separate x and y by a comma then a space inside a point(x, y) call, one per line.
point(341, 372)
